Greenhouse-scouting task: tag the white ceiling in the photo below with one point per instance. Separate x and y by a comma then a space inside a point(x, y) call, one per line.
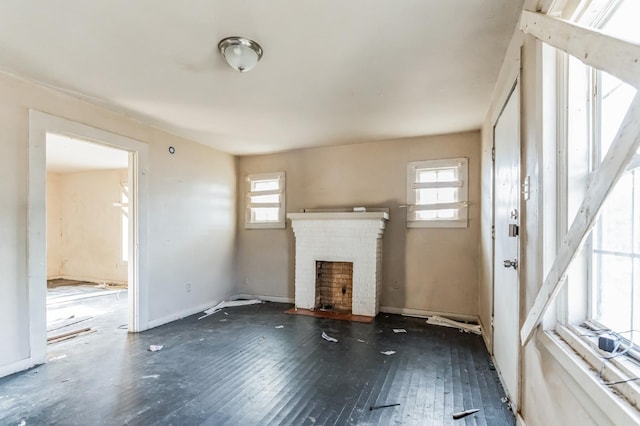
point(68, 155)
point(333, 71)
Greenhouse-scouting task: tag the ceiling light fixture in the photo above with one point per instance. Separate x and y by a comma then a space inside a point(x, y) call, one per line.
point(241, 53)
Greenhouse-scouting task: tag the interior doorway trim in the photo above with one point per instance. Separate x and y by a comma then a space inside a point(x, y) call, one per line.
point(39, 125)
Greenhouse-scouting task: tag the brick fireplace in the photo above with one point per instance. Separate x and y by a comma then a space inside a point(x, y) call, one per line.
point(353, 238)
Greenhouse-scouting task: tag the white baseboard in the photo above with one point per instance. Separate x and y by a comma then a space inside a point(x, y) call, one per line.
point(185, 313)
point(485, 337)
point(520, 421)
point(14, 367)
point(420, 313)
point(86, 279)
point(200, 308)
point(276, 299)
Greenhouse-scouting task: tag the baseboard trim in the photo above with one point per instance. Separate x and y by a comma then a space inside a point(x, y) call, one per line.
point(420, 313)
point(485, 337)
point(85, 279)
point(15, 367)
point(264, 298)
point(520, 421)
point(186, 313)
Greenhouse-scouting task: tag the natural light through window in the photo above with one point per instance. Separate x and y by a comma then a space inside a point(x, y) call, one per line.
point(265, 200)
point(597, 104)
point(437, 193)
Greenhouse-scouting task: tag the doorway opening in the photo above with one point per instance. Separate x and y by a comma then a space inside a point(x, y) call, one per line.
point(137, 294)
point(88, 239)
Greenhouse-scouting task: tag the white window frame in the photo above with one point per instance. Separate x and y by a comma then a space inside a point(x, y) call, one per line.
point(460, 183)
point(249, 222)
point(614, 376)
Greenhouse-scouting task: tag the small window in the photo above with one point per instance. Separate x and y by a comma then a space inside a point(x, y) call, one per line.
point(437, 193)
point(265, 201)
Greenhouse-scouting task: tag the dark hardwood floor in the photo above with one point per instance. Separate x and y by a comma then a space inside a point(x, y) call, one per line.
point(235, 367)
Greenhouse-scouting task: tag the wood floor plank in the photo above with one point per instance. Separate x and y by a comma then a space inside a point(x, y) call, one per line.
point(236, 367)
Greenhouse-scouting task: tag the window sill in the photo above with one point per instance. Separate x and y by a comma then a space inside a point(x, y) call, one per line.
point(437, 224)
point(266, 225)
point(597, 399)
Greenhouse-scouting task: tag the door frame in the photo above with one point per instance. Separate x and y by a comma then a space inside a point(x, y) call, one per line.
point(517, 84)
point(39, 125)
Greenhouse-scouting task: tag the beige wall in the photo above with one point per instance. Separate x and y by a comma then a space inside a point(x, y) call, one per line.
point(89, 240)
point(54, 227)
point(191, 219)
point(423, 269)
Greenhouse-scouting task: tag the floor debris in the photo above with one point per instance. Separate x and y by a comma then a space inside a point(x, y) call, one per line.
point(388, 352)
point(465, 413)
point(71, 321)
point(376, 407)
point(229, 304)
point(69, 335)
point(312, 419)
point(361, 341)
point(155, 348)
point(399, 330)
point(328, 338)
point(446, 322)
point(55, 358)
point(279, 326)
point(151, 376)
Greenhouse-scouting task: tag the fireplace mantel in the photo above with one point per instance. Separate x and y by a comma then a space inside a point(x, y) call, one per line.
point(340, 237)
point(339, 216)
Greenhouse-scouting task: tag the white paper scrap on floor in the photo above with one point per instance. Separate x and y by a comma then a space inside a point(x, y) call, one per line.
point(229, 304)
point(446, 322)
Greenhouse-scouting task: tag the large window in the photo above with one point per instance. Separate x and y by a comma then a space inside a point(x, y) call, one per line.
point(437, 193)
point(601, 303)
point(265, 197)
point(597, 103)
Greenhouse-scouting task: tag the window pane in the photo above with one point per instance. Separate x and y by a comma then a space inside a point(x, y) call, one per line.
point(446, 175)
point(426, 215)
point(436, 195)
point(624, 22)
point(616, 220)
point(439, 175)
point(273, 198)
point(447, 214)
point(264, 185)
point(262, 214)
point(616, 98)
point(613, 295)
point(427, 176)
point(444, 214)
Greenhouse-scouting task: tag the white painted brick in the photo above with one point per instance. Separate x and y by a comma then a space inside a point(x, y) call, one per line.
point(357, 241)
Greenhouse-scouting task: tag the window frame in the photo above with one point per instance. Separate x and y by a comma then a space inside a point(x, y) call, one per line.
point(461, 184)
point(574, 322)
point(280, 223)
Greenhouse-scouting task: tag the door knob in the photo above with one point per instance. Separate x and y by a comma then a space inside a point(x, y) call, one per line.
point(511, 264)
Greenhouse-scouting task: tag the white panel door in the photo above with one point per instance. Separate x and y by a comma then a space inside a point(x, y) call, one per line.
point(506, 341)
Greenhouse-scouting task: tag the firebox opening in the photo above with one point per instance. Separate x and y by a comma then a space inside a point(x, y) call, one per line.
point(334, 286)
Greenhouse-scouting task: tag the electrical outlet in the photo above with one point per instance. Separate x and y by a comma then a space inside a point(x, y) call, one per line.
point(188, 287)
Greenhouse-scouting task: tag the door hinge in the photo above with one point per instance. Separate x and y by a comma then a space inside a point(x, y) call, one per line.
point(491, 322)
point(493, 232)
point(493, 154)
